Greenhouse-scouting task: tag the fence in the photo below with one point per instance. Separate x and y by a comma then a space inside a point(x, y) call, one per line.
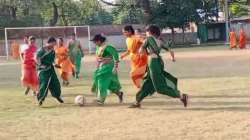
point(113, 33)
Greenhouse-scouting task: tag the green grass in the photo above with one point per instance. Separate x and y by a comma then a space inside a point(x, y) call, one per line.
point(219, 108)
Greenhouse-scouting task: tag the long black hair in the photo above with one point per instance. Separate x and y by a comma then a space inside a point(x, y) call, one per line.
point(99, 37)
point(129, 28)
point(51, 40)
point(61, 39)
point(154, 30)
point(138, 30)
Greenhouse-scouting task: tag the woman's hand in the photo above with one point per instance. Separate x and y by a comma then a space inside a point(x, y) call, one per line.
point(93, 88)
point(123, 55)
point(172, 56)
point(57, 66)
point(115, 69)
point(43, 67)
point(141, 50)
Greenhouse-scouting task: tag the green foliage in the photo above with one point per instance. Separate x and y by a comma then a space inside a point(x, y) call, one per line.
point(16, 13)
point(127, 13)
point(93, 14)
point(23, 22)
point(174, 13)
point(100, 18)
point(41, 13)
point(72, 12)
point(165, 13)
point(207, 10)
point(179, 13)
point(239, 8)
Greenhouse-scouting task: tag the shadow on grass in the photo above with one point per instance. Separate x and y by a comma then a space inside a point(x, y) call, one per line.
point(190, 108)
point(166, 105)
point(87, 105)
point(199, 106)
point(76, 85)
point(64, 105)
point(76, 94)
point(220, 96)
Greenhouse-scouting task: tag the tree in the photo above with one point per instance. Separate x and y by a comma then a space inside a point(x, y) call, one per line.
point(239, 8)
point(52, 12)
point(174, 14)
point(18, 13)
point(207, 10)
point(144, 5)
point(87, 12)
point(101, 17)
point(126, 13)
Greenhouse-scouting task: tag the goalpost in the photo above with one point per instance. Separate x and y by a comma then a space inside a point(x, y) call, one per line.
point(41, 33)
point(2, 43)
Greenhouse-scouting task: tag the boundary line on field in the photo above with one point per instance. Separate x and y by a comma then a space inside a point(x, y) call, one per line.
point(9, 63)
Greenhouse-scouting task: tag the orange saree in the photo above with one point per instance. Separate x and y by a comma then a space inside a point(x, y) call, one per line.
point(138, 61)
point(232, 40)
point(15, 50)
point(29, 75)
point(62, 60)
point(242, 39)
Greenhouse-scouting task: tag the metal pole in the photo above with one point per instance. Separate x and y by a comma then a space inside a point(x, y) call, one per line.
point(90, 51)
point(6, 44)
point(75, 31)
point(227, 20)
point(42, 32)
point(46, 27)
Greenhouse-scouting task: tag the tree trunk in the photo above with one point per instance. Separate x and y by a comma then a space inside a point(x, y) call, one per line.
point(64, 19)
point(248, 2)
point(145, 5)
point(183, 34)
point(13, 12)
point(54, 20)
point(173, 35)
point(26, 11)
point(217, 10)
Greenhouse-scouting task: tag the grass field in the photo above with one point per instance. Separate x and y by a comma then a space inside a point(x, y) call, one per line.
point(218, 81)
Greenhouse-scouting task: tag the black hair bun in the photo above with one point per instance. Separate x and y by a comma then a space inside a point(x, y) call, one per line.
point(99, 37)
point(51, 40)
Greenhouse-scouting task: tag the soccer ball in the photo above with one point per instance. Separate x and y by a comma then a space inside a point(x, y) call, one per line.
point(80, 100)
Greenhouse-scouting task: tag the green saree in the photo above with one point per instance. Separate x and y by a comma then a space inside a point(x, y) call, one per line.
point(76, 55)
point(156, 78)
point(104, 77)
point(47, 76)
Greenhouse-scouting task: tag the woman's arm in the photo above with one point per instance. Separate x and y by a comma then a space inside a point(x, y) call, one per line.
point(125, 54)
point(113, 52)
point(166, 46)
point(115, 56)
point(21, 56)
point(80, 47)
point(143, 46)
point(38, 57)
point(172, 55)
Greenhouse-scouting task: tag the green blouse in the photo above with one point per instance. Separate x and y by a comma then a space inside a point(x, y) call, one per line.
point(154, 46)
point(107, 51)
point(45, 59)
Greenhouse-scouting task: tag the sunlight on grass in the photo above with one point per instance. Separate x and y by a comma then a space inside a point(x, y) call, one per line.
point(219, 106)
